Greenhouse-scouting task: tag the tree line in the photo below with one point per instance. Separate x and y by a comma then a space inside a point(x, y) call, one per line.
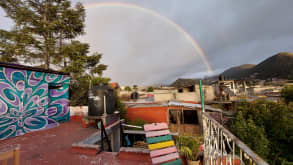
point(267, 127)
point(44, 32)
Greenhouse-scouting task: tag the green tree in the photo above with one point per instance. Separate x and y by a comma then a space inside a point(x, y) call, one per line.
point(44, 32)
point(137, 122)
point(287, 94)
point(41, 29)
point(150, 89)
point(79, 89)
point(81, 65)
point(127, 88)
point(251, 134)
point(267, 128)
point(134, 87)
point(120, 106)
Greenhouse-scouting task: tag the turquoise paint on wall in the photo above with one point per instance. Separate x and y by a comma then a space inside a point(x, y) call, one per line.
point(28, 103)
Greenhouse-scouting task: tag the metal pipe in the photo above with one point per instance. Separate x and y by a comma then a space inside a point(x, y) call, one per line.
point(132, 126)
point(201, 96)
point(105, 108)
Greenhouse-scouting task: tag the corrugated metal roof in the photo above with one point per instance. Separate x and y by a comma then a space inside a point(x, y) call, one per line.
point(192, 105)
point(131, 104)
point(181, 104)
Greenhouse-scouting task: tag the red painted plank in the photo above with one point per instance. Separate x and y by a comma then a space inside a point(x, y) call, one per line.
point(155, 126)
point(164, 151)
point(157, 133)
point(165, 158)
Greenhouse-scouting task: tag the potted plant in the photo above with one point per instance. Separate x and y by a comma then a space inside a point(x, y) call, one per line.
point(189, 147)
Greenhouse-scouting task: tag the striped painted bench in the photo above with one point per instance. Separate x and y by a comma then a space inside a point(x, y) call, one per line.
point(161, 145)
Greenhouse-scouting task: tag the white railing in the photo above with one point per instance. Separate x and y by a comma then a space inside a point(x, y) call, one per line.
point(223, 148)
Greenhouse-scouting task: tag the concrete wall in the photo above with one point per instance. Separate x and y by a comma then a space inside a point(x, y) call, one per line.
point(190, 129)
point(186, 95)
point(209, 92)
point(78, 110)
point(27, 103)
point(148, 114)
point(163, 97)
point(261, 89)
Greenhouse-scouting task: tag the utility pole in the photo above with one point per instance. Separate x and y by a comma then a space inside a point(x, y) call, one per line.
point(202, 108)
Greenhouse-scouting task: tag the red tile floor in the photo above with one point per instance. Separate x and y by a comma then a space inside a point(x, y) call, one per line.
point(53, 147)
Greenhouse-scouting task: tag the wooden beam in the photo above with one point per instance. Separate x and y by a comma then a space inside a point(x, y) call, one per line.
point(161, 145)
point(164, 151)
point(16, 156)
point(175, 162)
point(6, 155)
point(12, 154)
point(165, 158)
point(139, 132)
point(155, 126)
point(157, 133)
point(158, 139)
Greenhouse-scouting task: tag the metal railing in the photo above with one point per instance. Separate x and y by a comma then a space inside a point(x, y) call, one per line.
point(221, 147)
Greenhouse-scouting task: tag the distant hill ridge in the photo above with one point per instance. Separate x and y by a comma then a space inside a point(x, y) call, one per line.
point(277, 66)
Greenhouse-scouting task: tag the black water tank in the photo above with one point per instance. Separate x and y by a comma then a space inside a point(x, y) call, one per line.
point(96, 100)
point(134, 96)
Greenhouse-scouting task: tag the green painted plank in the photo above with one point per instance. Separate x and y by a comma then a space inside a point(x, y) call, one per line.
point(175, 162)
point(158, 139)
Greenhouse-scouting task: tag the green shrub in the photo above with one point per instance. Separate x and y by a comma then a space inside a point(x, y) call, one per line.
point(189, 146)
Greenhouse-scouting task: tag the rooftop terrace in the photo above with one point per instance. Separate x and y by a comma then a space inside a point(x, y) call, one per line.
point(53, 146)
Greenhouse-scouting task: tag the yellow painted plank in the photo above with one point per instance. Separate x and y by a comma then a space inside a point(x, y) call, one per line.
point(161, 145)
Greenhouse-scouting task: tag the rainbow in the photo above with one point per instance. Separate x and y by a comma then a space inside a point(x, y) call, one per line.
point(155, 14)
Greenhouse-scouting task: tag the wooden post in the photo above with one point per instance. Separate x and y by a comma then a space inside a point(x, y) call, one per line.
point(4, 162)
point(16, 156)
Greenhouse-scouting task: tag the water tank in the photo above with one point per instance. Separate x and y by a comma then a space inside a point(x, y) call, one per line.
point(97, 94)
point(134, 96)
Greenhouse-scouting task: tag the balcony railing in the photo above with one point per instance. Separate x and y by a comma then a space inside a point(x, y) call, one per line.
point(223, 148)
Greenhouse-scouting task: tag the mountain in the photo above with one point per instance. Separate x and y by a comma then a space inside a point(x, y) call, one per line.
point(186, 82)
point(183, 82)
point(238, 72)
point(277, 66)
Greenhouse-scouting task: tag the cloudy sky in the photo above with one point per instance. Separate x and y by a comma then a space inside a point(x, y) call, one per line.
point(145, 46)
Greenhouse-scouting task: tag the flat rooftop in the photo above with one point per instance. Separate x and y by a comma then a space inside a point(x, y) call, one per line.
point(53, 146)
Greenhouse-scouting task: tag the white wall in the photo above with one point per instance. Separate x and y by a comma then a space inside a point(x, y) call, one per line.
point(78, 110)
point(163, 97)
point(166, 95)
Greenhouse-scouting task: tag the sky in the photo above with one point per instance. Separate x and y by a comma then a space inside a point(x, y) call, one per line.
point(145, 46)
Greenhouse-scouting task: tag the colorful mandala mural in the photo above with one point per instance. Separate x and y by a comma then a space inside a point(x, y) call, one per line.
point(31, 101)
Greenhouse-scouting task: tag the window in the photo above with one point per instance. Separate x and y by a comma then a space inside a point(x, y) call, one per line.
point(191, 89)
point(180, 90)
point(190, 117)
point(55, 85)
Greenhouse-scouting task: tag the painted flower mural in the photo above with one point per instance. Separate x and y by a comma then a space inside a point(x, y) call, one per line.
point(31, 101)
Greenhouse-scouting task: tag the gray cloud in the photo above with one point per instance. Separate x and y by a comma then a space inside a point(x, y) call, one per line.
point(142, 49)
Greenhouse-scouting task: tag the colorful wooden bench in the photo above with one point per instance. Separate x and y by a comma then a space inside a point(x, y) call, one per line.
point(161, 145)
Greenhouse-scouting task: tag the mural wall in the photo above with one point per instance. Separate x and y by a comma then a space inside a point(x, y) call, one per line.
point(31, 101)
